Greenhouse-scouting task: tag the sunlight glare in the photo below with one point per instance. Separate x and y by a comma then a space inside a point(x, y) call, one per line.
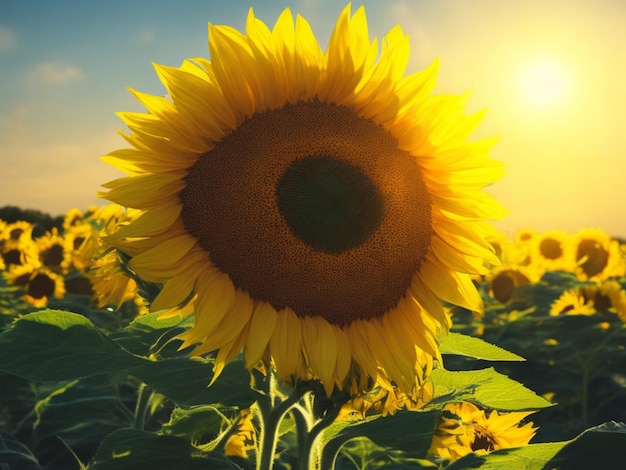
point(544, 83)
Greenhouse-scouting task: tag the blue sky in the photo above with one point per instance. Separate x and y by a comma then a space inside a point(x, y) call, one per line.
point(65, 66)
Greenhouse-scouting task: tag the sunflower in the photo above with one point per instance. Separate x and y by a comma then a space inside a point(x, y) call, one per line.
point(551, 251)
point(39, 284)
point(524, 243)
point(465, 428)
point(571, 302)
point(607, 296)
point(381, 401)
point(14, 232)
point(52, 253)
point(320, 205)
point(243, 441)
point(524, 235)
point(111, 284)
point(504, 280)
point(598, 257)
point(22, 251)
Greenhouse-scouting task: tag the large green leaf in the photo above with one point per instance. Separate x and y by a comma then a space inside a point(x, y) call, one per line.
point(186, 381)
point(530, 457)
point(53, 345)
point(81, 413)
point(487, 387)
point(410, 431)
point(464, 345)
point(362, 453)
point(131, 449)
point(199, 424)
point(14, 454)
point(148, 333)
point(604, 444)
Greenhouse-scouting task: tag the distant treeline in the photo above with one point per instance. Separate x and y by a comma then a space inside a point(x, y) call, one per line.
point(43, 222)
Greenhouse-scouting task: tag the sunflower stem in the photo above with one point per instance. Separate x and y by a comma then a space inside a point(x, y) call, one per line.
point(303, 420)
point(271, 414)
point(311, 450)
point(141, 406)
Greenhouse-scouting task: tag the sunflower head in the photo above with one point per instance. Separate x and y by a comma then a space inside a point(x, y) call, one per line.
point(465, 428)
point(551, 250)
point(505, 279)
point(39, 284)
point(317, 205)
point(572, 302)
point(597, 255)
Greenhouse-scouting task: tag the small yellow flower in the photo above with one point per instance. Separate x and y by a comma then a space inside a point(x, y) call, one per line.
point(571, 302)
point(464, 428)
point(243, 441)
point(382, 401)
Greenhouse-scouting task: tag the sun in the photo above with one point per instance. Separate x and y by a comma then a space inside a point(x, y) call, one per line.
point(544, 83)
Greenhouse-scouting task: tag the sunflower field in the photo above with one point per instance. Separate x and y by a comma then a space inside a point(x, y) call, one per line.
point(298, 271)
point(537, 381)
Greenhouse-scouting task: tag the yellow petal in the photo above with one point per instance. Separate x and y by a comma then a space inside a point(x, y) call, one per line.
point(286, 343)
point(262, 325)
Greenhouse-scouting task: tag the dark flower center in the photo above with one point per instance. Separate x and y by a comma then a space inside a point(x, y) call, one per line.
point(312, 207)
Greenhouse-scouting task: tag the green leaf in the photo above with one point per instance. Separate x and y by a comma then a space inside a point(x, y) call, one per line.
point(199, 424)
point(147, 333)
point(130, 449)
point(15, 454)
point(487, 387)
point(361, 453)
point(53, 345)
point(186, 381)
point(530, 457)
point(410, 431)
point(605, 444)
point(464, 345)
point(81, 412)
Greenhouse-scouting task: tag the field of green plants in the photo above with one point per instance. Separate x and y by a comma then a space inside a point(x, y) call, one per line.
point(90, 379)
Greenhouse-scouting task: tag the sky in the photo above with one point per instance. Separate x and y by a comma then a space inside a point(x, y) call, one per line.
point(552, 76)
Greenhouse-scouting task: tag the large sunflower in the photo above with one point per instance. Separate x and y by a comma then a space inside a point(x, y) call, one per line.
point(320, 205)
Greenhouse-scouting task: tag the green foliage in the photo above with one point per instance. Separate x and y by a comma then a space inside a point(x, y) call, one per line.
point(53, 345)
point(578, 361)
point(405, 431)
point(469, 346)
point(91, 386)
point(90, 390)
point(485, 387)
point(130, 449)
